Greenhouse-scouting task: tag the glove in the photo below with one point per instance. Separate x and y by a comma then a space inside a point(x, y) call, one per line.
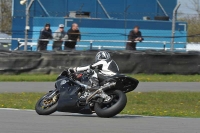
point(72, 70)
point(64, 73)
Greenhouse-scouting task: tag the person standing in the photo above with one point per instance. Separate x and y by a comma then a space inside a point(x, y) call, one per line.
point(134, 35)
point(74, 35)
point(45, 33)
point(58, 37)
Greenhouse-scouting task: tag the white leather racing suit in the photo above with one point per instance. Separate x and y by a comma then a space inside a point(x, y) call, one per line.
point(106, 68)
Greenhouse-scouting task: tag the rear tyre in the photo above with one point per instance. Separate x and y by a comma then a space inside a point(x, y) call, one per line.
point(46, 107)
point(113, 107)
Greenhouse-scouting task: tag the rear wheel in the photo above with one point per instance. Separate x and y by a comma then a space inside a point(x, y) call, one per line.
point(47, 105)
point(112, 107)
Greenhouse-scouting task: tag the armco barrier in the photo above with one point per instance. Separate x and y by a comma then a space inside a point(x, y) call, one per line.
point(150, 62)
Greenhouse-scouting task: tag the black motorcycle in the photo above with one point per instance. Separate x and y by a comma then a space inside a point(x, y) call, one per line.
point(74, 94)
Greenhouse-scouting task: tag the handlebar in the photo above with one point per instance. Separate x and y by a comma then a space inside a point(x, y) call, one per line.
point(73, 78)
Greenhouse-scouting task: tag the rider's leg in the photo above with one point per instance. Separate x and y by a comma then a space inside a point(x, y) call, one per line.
point(94, 79)
point(97, 78)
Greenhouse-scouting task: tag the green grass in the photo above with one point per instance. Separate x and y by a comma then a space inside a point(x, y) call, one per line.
point(140, 77)
point(28, 78)
point(166, 78)
point(178, 104)
point(19, 100)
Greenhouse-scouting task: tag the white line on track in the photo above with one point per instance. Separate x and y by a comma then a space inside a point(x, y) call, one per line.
point(121, 115)
point(12, 109)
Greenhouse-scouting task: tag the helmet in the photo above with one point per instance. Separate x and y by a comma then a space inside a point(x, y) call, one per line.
point(102, 55)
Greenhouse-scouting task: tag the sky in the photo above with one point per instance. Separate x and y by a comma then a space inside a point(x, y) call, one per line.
point(185, 7)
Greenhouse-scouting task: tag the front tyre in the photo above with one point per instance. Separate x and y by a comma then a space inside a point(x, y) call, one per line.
point(47, 105)
point(113, 107)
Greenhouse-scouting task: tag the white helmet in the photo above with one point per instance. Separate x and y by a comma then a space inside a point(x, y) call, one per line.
point(102, 55)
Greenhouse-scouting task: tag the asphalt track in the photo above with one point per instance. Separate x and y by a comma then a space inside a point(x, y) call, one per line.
point(21, 121)
point(143, 86)
point(27, 121)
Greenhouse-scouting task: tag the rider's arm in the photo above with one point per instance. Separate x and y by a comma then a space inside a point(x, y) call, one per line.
point(97, 65)
point(79, 69)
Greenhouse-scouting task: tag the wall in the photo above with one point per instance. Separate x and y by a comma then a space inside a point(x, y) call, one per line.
point(149, 62)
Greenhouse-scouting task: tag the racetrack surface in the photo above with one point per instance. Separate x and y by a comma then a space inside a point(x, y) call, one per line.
point(21, 121)
point(143, 86)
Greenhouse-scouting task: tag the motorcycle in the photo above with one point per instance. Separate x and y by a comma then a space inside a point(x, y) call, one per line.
point(73, 93)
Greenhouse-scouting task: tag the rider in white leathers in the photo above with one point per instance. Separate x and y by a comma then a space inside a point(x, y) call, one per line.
point(105, 66)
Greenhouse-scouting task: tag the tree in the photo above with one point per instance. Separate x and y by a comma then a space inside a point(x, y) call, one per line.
point(192, 21)
point(5, 15)
point(195, 6)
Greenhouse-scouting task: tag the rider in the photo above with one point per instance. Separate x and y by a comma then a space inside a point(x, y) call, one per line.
point(103, 67)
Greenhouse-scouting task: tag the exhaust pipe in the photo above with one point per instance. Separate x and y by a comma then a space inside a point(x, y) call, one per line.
point(102, 88)
point(109, 86)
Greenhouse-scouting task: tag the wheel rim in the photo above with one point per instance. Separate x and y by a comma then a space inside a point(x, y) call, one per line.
point(46, 102)
point(108, 104)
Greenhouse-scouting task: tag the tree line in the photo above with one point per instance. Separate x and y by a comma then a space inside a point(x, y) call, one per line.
point(5, 16)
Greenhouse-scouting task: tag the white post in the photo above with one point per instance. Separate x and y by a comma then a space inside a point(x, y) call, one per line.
point(28, 6)
point(174, 25)
point(26, 26)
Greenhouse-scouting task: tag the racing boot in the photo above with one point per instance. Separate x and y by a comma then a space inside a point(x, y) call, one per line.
point(94, 83)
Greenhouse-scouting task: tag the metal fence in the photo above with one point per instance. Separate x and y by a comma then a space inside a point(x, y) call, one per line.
point(90, 45)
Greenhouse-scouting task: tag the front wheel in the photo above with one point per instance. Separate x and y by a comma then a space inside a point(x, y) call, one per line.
point(112, 107)
point(47, 104)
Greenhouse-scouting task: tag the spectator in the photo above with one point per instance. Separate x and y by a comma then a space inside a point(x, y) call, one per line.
point(58, 37)
point(45, 33)
point(134, 35)
point(74, 35)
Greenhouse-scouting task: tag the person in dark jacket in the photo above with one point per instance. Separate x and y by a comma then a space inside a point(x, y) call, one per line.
point(74, 35)
point(45, 33)
point(134, 35)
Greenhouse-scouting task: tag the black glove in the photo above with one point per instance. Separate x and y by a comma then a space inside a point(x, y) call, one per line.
point(64, 73)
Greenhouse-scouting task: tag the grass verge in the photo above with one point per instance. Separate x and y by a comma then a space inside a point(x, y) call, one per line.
point(178, 104)
point(28, 78)
point(140, 77)
point(166, 78)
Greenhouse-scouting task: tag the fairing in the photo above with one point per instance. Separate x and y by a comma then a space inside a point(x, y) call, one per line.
point(68, 99)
